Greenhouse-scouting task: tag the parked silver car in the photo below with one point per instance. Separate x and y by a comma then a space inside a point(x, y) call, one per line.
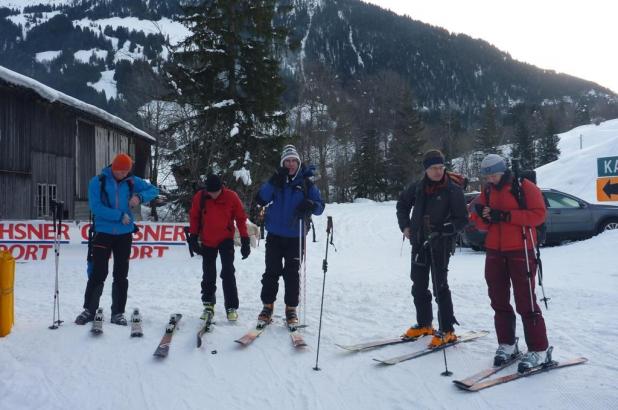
point(568, 218)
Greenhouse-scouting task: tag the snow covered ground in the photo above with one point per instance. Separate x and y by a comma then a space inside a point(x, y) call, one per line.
point(367, 296)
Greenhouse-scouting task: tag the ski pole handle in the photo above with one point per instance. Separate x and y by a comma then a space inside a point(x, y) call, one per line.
point(329, 224)
point(53, 204)
point(186, 231)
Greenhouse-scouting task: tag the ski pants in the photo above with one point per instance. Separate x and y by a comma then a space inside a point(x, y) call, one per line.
point(501, 270)
point(209, 274)
point(420, 274)
point(280, 249)
point(103, 246)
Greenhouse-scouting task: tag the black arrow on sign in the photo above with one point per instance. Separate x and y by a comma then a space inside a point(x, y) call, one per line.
point(610, 189)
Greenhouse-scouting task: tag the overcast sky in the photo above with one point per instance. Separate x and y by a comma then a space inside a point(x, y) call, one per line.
point(576, 37)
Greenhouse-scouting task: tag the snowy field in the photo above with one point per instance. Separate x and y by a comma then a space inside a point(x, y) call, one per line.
point(367, 296)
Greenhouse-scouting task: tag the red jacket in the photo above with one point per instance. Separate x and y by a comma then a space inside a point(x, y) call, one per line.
point(507, 236)
point(217, 217)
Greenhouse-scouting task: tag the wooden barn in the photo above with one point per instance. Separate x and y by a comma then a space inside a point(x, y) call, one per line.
point(52, 144)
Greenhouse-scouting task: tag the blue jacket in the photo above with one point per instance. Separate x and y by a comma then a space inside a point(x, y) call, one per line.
point(108, 209)
point(281, 215)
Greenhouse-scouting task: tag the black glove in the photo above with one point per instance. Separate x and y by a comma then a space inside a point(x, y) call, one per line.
point(193, 244)
point(448, 229)
point(245, 247)
point(479, 209)
point(496, 216)
point(278, 178)
point(306, 207)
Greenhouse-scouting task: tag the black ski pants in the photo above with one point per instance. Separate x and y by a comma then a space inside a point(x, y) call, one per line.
point(103, 246)
point(209, 274)
point(420, 275)
point(282, 259)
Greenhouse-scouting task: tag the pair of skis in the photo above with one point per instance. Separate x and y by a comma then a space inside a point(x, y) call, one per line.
point(136, 323)
point(480, 380)
point(298, 341)
point(164, 345)
point(466, 337)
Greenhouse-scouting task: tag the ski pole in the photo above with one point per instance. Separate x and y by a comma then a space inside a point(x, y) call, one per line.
point(528, 272)
point(539, 267)
point(329, 232)
point(403, 239)
point(56, 214)
point(302, 271)
point(430, 237)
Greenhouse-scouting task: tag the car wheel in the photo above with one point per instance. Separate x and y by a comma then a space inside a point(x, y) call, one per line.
point(608, 225)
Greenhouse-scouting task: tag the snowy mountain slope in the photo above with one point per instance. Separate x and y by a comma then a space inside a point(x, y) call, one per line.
point(575, 172)
point(367, 296)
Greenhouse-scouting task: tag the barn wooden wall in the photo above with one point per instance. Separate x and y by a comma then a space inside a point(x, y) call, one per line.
point(43, 142)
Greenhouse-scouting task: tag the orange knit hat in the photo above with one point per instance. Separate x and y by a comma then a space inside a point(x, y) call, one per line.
point(122, 162)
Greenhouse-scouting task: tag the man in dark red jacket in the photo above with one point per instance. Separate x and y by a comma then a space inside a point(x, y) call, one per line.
point(212, 215)
point(510, 230)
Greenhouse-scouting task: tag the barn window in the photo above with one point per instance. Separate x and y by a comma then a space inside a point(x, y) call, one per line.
point(45, 194)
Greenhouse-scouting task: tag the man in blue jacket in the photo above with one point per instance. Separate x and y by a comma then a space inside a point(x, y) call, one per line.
point(293, 198)
point(110, 197)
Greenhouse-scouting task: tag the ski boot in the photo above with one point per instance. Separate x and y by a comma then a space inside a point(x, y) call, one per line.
point(119, 319)
point(232, 314)
point(265, 316)
point(505, 353)
point(442, 338)
point(291, 318)
point(534, 359)
point(417, 331)
point(209, 311)
point(84, 317)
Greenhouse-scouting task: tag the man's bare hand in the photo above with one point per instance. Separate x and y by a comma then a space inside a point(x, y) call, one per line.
point(134, 201)
point(407, 233)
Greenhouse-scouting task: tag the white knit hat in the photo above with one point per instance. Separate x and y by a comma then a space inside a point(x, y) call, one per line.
point(492, 164)
point(289, 151)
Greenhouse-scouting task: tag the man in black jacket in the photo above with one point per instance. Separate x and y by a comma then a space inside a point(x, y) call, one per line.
point(439, 213)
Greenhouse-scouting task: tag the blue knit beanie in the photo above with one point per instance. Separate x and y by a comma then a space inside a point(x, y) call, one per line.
point(492, 164)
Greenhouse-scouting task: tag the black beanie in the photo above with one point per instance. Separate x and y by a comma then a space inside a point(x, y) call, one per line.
point(213, 183)
point(432, 157)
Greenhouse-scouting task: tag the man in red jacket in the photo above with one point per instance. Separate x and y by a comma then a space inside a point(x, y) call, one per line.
point(212, 215)
point(510, 224)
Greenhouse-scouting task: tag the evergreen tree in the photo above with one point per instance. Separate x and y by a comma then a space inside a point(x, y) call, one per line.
point(368, 175)
point(405, 147)
point(582, 115)
point(227, 72)
point(488, 137)
point(547, 148)
point(523, 148)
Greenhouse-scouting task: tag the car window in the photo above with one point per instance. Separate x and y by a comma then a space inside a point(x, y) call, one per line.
point(555, 200)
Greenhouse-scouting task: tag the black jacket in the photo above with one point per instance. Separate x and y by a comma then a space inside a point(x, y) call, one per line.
point(446, 204)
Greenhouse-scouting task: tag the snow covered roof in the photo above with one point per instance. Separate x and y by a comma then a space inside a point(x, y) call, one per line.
point(52, 95)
